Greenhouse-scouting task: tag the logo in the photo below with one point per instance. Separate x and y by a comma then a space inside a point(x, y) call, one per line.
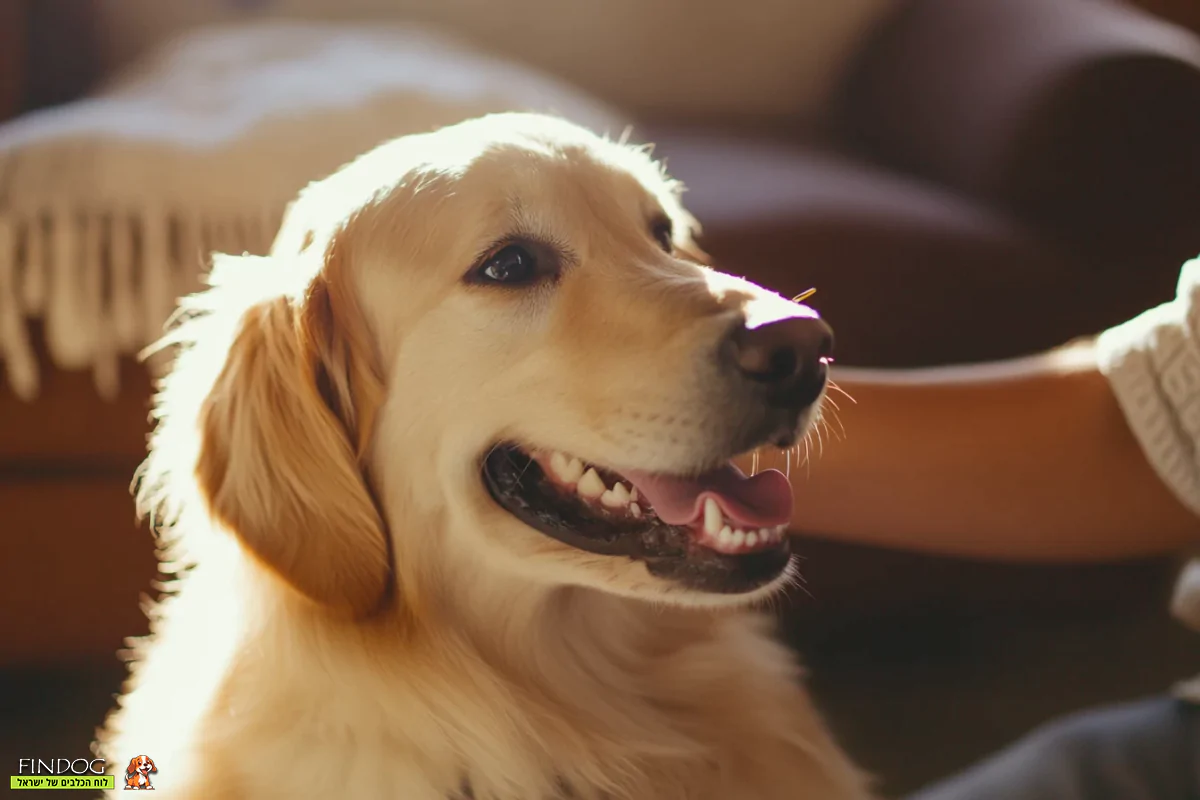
point(137, 774)
point(61, 773)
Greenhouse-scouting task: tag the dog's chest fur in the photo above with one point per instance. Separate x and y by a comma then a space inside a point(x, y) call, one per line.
point(615, 705)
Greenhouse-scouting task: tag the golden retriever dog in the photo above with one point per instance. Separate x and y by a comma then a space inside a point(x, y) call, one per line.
point(445, 481)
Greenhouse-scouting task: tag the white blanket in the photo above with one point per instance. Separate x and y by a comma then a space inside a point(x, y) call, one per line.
point(109, 206)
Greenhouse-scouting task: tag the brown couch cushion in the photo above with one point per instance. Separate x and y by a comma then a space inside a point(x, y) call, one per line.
point(1081, 117)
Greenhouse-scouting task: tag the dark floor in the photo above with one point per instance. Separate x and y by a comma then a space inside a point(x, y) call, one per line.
point(914, 703)
point(910, 699)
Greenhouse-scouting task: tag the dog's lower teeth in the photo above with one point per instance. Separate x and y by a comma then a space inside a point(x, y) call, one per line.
point(740, 540)
point(635, 510)
point(714, 528)
point(712, 517)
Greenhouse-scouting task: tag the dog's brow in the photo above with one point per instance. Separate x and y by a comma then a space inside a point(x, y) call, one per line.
point(524, 226)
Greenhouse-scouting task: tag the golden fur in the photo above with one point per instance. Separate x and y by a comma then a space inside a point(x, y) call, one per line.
point(374, 625)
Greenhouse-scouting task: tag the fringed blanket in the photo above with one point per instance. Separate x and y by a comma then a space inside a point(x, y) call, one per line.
point(110, 206)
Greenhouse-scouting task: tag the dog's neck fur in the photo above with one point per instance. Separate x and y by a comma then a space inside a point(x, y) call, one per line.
point(574, 676)
point(555, 638)
point(516, 689)
point(570, 675)
point(526, 630)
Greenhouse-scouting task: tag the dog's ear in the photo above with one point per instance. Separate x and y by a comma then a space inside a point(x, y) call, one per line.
point(132, 768)
point(284, 436)
point(153, 766)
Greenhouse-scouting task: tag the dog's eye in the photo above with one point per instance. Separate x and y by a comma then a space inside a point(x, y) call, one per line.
point(662, 232)
point(513, 265)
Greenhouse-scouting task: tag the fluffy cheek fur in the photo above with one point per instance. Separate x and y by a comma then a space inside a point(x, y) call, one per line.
point(522, 382)
point(453, 426)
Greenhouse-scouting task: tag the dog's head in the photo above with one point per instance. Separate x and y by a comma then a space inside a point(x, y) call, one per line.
point(493, 345)
point(140, 765)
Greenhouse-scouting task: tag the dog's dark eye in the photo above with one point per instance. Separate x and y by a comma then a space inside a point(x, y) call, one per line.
point(663, 235)
point(512, 265)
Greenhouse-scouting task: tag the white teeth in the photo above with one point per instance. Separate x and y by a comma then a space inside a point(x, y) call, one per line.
point(616, 497)
point(566, 469)
point(574, 471)
point(725, 539)
point(735, 540)
point(590, 485)
point(559, 464)
point(712, 517)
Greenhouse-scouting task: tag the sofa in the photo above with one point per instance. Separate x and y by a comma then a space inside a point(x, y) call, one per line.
point(985, 180)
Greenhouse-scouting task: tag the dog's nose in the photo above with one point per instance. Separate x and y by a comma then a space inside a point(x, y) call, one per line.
point(788, 357)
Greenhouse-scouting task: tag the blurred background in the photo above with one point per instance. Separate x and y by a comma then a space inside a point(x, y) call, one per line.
point(962, 181)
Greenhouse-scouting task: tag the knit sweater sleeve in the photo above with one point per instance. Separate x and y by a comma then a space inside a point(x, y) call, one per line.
point(1152, 363)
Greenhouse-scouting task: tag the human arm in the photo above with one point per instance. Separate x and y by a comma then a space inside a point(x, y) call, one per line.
point(1023, 460)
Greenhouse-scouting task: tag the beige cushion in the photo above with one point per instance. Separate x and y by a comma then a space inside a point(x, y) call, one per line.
point(763, 58)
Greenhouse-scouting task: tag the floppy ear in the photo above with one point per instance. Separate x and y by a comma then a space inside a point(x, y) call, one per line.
point(284, 433)
point(132, 768)
point(153, 766)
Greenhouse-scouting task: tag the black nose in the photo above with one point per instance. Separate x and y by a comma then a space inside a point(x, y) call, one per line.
point(787, 357)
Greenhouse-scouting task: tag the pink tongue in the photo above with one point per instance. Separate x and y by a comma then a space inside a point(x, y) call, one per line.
point(761, 501)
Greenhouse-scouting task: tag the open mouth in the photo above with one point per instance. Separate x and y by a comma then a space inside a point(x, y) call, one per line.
point(719, 531)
